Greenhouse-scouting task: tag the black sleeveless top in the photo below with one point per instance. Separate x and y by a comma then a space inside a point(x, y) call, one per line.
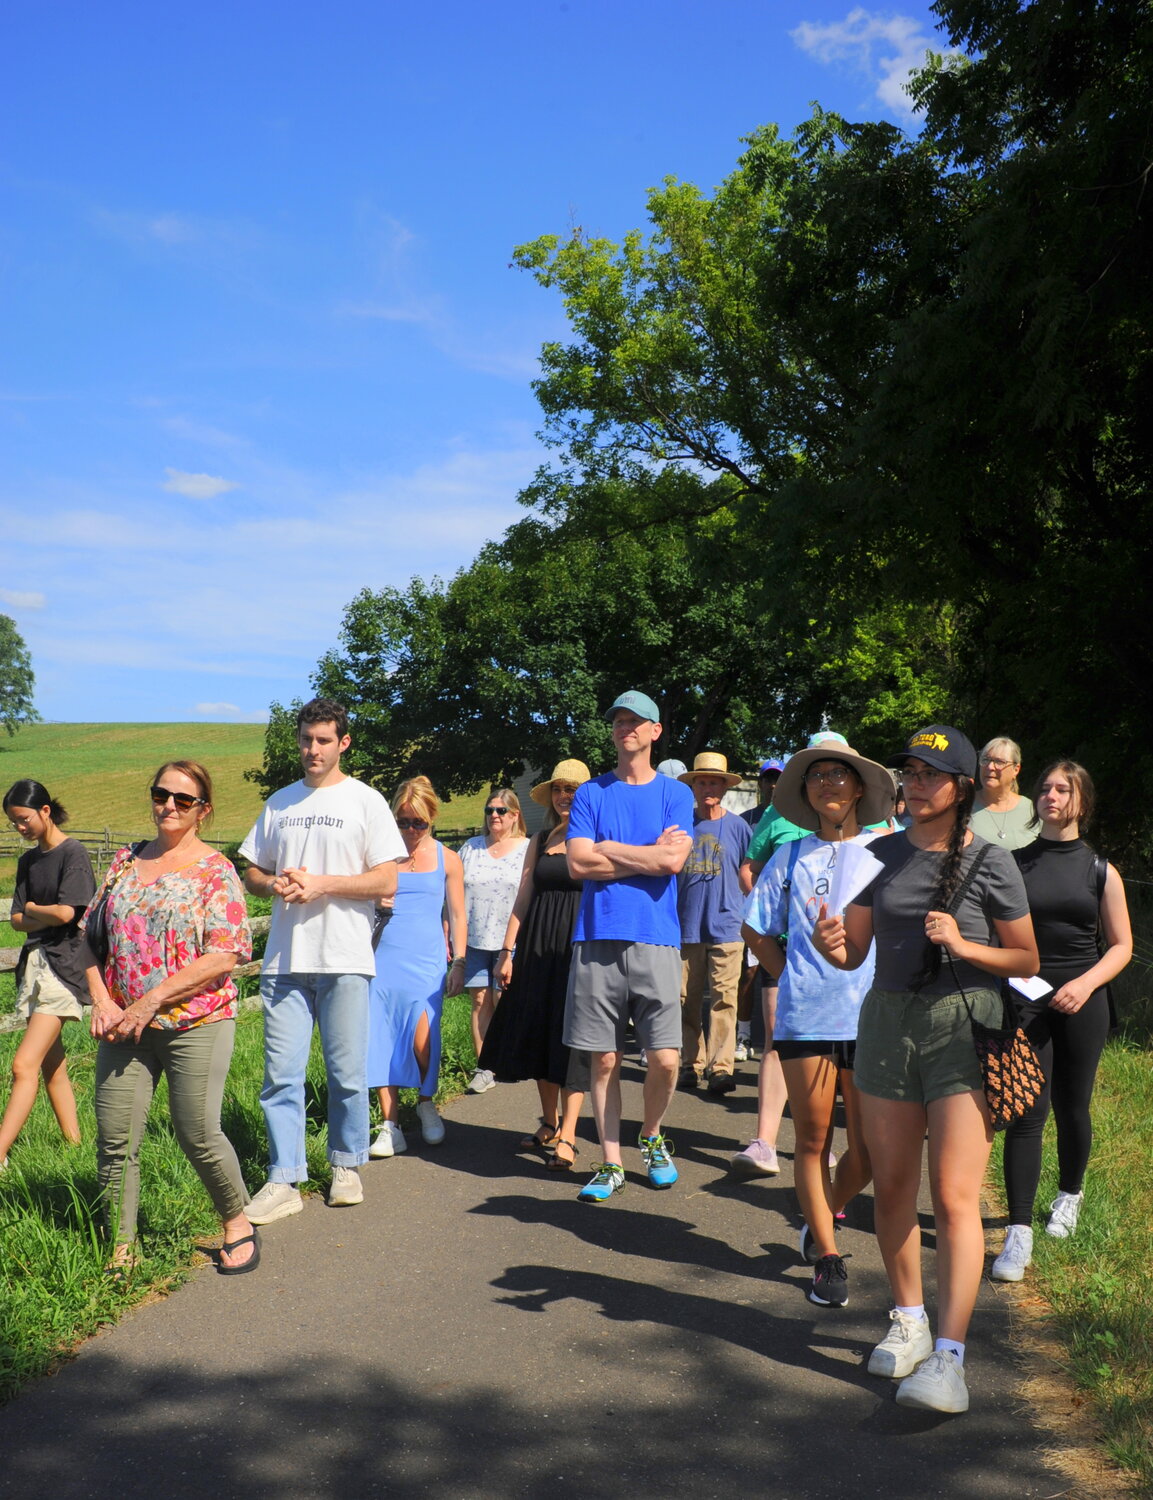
point(1061, 880)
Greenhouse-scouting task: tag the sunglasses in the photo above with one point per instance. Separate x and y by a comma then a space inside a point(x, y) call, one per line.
point(183, 802)
point(417, 823)
point(496, 812)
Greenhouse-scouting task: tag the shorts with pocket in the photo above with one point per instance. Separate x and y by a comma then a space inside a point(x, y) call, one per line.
point(919, 1047)
point(610, 982)
point(480, 968)
point(41, 991)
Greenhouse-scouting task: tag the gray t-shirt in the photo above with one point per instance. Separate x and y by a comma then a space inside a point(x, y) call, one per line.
point(902, 893)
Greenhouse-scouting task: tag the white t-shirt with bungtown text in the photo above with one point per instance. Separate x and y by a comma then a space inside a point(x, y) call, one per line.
point(343, 829)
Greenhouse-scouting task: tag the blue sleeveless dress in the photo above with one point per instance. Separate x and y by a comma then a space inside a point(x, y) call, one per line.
point(409, 982)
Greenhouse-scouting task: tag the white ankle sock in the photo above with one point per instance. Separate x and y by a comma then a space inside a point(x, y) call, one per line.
point(953, 1347)
point(917, 1312)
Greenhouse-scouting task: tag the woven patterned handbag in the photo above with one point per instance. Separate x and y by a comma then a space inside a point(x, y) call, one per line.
point(1010, 1067)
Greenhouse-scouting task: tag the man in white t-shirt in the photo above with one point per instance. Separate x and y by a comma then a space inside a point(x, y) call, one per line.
point(325, 848)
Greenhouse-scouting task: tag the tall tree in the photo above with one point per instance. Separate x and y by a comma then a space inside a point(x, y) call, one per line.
point(514, 660)
point(16, 678)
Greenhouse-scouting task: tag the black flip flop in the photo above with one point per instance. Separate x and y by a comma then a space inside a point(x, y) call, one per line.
point(251, 1264)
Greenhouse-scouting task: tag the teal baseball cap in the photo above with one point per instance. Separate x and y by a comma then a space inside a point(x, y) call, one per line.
point(637, 703)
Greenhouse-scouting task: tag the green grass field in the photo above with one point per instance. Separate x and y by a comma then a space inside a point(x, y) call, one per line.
point(101, 773)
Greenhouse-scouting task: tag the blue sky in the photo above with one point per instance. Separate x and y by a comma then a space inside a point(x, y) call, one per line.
point(262, 345)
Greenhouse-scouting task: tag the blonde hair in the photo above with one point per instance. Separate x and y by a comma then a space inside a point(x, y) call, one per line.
point(1011, 750)
point(511, 801)
point(418, 794)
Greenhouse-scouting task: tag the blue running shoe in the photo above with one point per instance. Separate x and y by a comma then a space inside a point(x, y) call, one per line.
point(606, 1180)
point(658, 1155)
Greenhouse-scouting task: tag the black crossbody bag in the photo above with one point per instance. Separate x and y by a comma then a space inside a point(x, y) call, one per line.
point(1010, 1069)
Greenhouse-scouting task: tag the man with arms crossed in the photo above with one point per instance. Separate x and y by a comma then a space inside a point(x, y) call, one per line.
point(326, 849)
point(627, 840)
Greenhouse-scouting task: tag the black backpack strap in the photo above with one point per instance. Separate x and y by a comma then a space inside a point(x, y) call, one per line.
point(970, 876)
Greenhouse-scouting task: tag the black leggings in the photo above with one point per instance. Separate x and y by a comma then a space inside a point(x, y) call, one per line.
point(1069, 1048)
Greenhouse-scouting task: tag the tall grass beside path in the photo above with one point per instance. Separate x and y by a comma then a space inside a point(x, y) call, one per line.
point(1099, 1283)
point(54, 1291)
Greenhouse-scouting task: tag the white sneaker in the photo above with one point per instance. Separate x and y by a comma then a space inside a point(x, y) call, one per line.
point(741, 1053)
point(937, 1384)
point(275, 1200)
point(346, 1189)
point(481, 1081)
point(431, 1124)
point(907, 1343)
point(1017, 1254)
point(390, 1141)
point(1063, 1218)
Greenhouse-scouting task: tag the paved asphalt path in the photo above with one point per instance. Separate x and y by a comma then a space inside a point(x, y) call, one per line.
point(472, 1331)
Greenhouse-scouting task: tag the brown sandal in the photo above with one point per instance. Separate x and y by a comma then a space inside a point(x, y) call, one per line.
point(556, 1162)
point(538, 1142)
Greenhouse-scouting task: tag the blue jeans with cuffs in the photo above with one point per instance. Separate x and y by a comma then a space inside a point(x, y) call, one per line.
point(337, 1004)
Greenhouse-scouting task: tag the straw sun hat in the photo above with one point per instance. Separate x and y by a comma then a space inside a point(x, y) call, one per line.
point(877, 799)
point(711, 763)
point(574, 771)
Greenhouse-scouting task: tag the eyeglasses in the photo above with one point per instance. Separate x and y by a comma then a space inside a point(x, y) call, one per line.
point(996, 765)
point(184, 803)
point(418, 823)
point(838, 776)
point(496, 812)
point(922, 778)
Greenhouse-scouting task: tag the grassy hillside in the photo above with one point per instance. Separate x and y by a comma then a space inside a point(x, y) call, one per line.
point(101, 772)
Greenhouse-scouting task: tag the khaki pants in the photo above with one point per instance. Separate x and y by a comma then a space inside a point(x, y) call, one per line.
point(721, 964)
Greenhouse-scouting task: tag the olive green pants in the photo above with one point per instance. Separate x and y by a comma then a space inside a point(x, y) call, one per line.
point(195, 1063)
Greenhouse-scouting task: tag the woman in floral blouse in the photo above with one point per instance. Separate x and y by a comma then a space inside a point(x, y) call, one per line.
point(164, 1001)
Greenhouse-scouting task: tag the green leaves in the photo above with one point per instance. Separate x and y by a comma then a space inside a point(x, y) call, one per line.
point(16, 678)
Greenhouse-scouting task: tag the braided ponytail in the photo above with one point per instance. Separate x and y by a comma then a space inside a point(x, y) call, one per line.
point(950, 879)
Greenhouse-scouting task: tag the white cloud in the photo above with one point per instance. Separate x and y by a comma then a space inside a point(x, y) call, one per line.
point(197, 486)
point(247, 593)
point(202, 432)
point(884, 47)
point(175, 230)
point(171, 229)
point(413, 312)
point(231, 711)
point(17, 600)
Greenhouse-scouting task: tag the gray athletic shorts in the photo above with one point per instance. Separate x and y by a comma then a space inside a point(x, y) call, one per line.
point(610, 981)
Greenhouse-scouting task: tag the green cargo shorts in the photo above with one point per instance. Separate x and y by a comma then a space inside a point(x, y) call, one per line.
point(918, 1047)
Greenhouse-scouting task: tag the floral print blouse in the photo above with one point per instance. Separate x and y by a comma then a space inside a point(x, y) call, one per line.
point(156, 930)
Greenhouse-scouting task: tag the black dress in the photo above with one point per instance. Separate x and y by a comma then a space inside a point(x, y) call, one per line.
point(524, 1035)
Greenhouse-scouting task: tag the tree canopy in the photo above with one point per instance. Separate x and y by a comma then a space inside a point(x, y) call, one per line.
point(16, 678)
point(860, 437)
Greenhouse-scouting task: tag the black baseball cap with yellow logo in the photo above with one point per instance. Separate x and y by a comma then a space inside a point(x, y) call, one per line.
point(942, 747)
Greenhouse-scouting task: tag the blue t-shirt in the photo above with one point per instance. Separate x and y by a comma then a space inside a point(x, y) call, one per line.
point(815, 1002)
point(710, 901)
point(632, 908)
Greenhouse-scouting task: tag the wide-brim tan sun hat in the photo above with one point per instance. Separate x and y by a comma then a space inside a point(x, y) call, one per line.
point(574, 771)
point(711, 763)
point(877, 800)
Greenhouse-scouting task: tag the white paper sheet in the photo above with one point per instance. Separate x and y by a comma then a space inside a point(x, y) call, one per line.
point(1033, 989)
point(854, 869)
